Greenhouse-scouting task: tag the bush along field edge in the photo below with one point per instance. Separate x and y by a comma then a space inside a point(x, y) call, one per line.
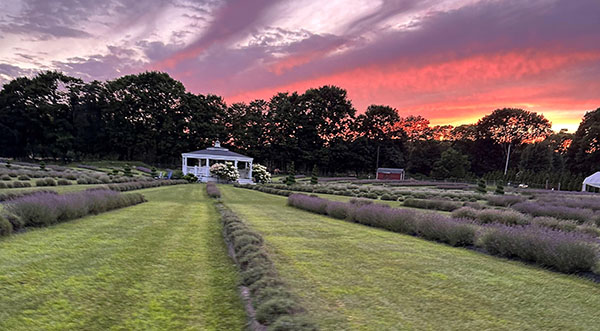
point(269, 304)
point(567, 252)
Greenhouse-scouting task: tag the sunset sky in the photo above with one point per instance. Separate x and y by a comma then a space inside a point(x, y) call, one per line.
point(449, 61)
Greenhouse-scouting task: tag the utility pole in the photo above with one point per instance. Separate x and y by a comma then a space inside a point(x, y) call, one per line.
point(377, 163)
point(507, 158)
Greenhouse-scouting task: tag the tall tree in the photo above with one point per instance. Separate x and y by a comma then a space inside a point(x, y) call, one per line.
point(511, 126)
point(452, 164)
point(584, 152)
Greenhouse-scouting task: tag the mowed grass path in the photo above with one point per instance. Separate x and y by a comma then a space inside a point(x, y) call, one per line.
point(353, 277)
point(161, 265)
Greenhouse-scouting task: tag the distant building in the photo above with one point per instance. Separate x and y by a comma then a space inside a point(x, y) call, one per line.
point(390, 174)
point(591, 183)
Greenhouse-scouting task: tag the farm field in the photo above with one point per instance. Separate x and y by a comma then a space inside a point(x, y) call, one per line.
point(350, 276)
point(160, 265)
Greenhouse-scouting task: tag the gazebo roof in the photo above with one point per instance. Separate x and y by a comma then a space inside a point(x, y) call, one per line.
point(218, 151)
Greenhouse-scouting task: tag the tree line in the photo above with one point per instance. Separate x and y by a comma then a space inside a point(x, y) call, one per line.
point(151, 117)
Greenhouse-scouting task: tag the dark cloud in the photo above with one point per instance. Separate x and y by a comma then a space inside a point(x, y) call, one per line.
point(483, 28)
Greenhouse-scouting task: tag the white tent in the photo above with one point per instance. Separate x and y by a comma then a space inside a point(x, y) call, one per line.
point(591, 181)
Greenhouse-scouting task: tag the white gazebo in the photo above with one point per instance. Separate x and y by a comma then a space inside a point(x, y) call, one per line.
point(591, 182)
point(198, 163)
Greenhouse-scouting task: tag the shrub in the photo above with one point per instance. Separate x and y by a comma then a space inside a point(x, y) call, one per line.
point(5, 177)
point(371, 195)
point(269, 296)
point(43, 209)
point(291, 177)
point(588, 228)
point(127, 170)
point(507, 217)
point(339, 210)
point(314, 179)
point(313, 204)
point(465, 212)
point(272, 309)
point(80, 180)
point(565, 251)
point(499, 188)
point(389, 197)
point(191, 178)
point(360, 202)
point(451, 231)
point(292, 323)
point(16, 222)
point(481, 188)
point(24, 177)
point(444, 205)
point(63, 182)
point(3, 185)
point(554, 223)
point(225, 171)
point(213, 191)
point(504, 200)
point(251, 275)
point(6, 227)
point(45, 182)
point(382, 216)
point(563, 212)
point(260, 174)
point(17, 194)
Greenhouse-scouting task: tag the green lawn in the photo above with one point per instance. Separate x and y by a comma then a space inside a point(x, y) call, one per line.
point(161, 265)
point(352, 277)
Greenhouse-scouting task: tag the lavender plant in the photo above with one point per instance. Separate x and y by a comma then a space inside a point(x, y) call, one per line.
point(44, 208)
point(565, 251)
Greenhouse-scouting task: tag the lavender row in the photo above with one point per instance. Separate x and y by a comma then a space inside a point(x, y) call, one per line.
point(563, 251)
point(47, 208)
point(275, 307)
point(212, 190)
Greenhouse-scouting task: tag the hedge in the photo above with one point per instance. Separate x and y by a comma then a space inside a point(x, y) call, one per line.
point(274, 305)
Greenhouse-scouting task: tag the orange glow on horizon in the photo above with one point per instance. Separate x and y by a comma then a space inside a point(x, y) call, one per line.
point(486, 82)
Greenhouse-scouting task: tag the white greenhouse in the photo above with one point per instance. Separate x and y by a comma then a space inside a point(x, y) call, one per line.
point(591, 183)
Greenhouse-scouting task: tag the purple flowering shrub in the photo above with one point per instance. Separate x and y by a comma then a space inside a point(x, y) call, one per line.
point(437, 204)
point(428, 225)
point(564, 251)
point(143, 169)
point(504, 200)
point(43, 209)
point(212, 190)
point(586, 202)
point(456, 232)
point(539, 208)
point(130, 186)
point(17, 194)
point(506, 235)
point(313, 204)
point(486, 216)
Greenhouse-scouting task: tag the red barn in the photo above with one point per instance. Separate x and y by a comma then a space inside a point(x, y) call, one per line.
point(390, 174)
